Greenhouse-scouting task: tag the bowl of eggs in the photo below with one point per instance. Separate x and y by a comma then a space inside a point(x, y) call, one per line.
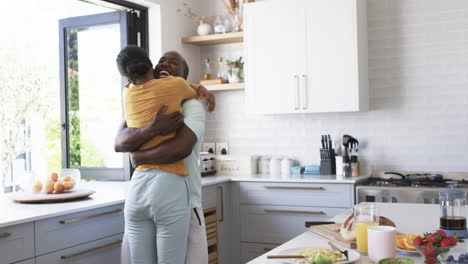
point(58, 182)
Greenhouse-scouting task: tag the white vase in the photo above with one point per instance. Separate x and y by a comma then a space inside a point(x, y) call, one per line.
point(204, 29)
point(233, 76)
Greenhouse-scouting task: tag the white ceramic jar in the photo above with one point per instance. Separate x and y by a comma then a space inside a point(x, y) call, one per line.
point(275, 166)
point(286, 165)
point(204, 29)
point(264, 165)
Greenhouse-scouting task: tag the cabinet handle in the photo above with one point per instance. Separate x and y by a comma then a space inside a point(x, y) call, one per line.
point(5, 235)
point(92, 249)
point(294, 187)
point(292, 211)
point(89, 217)
point(304, 91)
point(296, 93)
point(221, 219)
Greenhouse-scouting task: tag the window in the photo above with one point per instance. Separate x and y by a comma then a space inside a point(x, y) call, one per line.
point(91, 91)
point(72, 131)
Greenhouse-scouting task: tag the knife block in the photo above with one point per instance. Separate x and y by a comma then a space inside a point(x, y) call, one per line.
point(327, 162)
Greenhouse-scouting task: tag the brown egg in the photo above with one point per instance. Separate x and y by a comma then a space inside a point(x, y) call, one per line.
point(67, 179)
point(58, 187)
point(48, 186)
point(37, 186)
point(54, 176)
point(68, 185)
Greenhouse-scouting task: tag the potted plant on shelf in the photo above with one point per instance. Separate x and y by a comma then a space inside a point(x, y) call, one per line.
point(235, 70)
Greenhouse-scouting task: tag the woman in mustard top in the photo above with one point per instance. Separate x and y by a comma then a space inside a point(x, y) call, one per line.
point(157, 208)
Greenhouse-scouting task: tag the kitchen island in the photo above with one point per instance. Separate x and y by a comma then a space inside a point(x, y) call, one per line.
point(409, 218)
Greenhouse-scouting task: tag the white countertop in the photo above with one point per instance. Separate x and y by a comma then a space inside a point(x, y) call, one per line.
point(409, 218)
point(107, 193)
point(111, 193)
point(291, 178)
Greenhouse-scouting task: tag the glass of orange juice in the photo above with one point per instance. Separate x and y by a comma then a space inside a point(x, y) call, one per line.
point(365, 215)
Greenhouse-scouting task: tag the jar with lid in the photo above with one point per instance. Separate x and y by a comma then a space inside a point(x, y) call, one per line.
point(453, 215)
point(286, 165)
point(264, 165)
point(275, 166)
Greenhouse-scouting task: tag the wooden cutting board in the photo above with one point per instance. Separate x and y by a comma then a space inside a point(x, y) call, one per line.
point(332, 233)
point(27, 197)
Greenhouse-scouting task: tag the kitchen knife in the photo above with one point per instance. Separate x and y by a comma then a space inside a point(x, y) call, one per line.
point(323, 142)
point(345, 253)
point(314, 223)
point(285, 257)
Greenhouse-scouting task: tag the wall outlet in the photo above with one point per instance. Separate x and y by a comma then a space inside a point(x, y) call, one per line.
point(209, 147)
point(222, 148)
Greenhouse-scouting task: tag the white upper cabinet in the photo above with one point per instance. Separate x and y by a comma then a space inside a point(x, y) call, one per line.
point(306, 56)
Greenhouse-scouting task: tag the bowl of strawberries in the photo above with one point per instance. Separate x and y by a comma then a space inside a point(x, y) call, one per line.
point(430, 245)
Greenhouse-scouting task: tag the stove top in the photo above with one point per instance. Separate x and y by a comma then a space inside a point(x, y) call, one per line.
point(412, 183)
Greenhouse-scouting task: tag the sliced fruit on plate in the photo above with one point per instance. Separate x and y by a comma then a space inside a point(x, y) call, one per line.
point(409, 241)
point(401, 242)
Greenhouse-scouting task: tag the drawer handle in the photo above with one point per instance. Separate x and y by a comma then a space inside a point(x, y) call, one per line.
point(89, 217)
point(293, 211)
point(92, 249)
point(221, 219)
point(294, 187)
point(5, 235)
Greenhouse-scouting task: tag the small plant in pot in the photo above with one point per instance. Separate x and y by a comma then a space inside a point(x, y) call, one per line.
point(235, 70)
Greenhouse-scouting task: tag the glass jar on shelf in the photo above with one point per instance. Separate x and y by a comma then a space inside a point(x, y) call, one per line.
point(221, 70)
point(207, 70)
point(219, 27)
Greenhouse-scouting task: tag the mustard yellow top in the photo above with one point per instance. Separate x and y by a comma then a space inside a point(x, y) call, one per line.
point(141, 102)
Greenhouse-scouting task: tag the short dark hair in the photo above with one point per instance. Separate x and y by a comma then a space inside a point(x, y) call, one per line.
point(133, 62)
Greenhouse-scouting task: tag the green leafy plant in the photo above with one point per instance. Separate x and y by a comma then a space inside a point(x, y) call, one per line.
point(236, 64)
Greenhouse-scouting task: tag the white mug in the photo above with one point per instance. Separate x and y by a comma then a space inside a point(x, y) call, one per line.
point(381, 241)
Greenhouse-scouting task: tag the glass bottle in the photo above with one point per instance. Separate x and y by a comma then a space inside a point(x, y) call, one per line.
point(219, 28)
point(207, 70)
point(221, 70)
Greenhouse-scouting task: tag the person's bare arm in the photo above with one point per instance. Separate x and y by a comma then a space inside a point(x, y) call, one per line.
point(131, 139)
point(182, 144)
point(171, 150)
point(209, 97)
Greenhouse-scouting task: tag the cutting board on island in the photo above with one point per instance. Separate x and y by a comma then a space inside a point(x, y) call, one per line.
point(28, 197)
point(332, 233)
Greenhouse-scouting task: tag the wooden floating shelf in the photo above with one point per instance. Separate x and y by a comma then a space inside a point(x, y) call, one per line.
point(225, 87)
point(234, 37)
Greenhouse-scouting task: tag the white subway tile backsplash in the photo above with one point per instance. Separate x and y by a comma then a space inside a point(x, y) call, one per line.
point(418, 118)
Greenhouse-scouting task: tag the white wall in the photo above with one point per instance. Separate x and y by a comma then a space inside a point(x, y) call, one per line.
point(167, 25)
point(418, 67)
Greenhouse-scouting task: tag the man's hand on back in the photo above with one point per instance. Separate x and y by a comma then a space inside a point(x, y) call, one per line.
point(165, 124)
point(210, 99)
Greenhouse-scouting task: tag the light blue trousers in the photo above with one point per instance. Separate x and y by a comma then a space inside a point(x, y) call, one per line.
point(157, 214)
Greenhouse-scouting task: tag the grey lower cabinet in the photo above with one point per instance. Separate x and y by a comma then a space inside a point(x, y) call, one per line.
point(220, 196)
point(28, 261)
point(271, 213)
point(16, 243)
point(250, 251)
point(106, 250)
point(87, 237)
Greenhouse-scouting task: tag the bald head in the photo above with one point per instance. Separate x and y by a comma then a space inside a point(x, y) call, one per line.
point(172, 63)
